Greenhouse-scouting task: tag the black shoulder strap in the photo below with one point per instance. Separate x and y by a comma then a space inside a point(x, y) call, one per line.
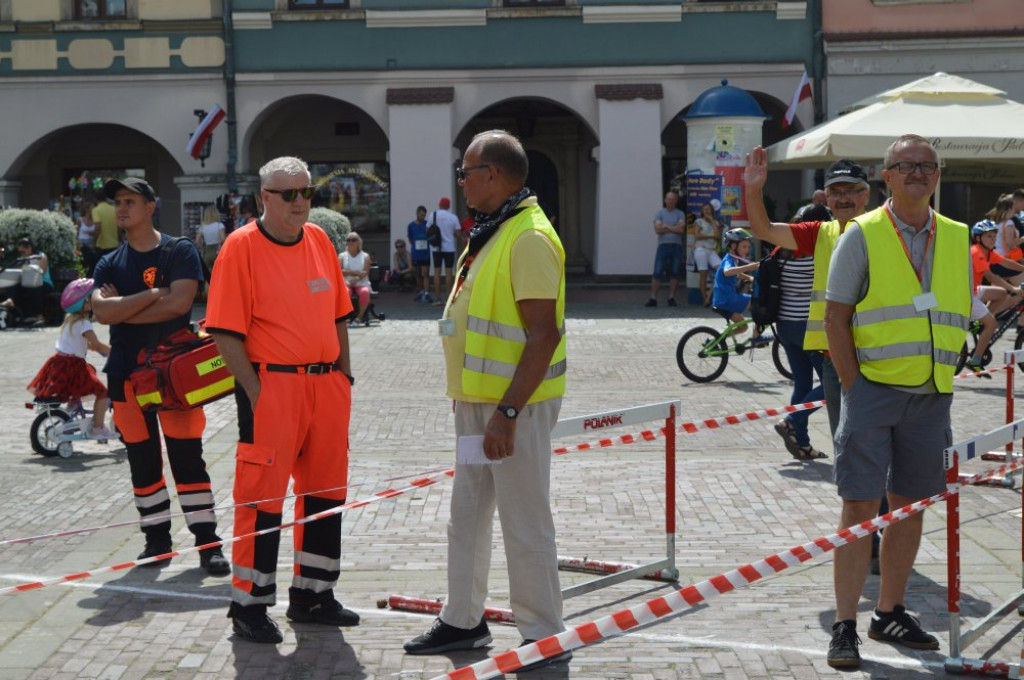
point(163, 265)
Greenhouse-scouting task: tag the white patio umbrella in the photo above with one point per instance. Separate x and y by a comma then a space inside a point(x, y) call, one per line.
point(974, 127)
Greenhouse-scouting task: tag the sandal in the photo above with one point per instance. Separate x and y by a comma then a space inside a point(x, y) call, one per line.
point(808, 453)
point(785, 430)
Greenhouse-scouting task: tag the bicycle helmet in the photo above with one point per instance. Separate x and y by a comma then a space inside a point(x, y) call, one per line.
point(75, 294)
point(982, 227)
point(737, 235)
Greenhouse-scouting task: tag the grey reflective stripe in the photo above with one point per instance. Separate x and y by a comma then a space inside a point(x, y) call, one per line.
point(157, 498)
point(951, 319)
point(245, 599)
point(944, 356)
point(815, 326)
point(894, 351)
point(200, 516)
point(817, 296)
point(257, 578)
point(504, 369)
point(155, 519)
point(193, 498)
point(501, 331)
point(314, 584)
point(891, 313)
point(495, 329)
point(308, 559)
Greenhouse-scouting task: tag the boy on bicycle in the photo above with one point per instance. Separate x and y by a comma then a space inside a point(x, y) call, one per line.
point(731, 277)
point(992, 299)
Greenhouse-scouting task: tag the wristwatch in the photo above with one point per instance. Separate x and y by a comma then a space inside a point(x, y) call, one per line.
point(510, 412)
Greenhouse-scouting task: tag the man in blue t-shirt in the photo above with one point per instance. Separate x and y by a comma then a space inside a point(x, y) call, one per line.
point(143, 304)
point(420, 251)
point(670, 226)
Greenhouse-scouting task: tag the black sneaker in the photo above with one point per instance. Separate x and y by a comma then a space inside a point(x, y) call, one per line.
point(672, 302)
point(899, 626)
point(152, 550)
point(329, 612)
point(444, 638)
point(252, 623)
point(842, 650)
point(543, 663)
point(214, 562)
point(651, 303)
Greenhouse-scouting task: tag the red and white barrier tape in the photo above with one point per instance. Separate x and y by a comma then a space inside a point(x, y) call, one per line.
point(381, 495)
point(684, 598)
point(689, 428)
point(983, 373)
point(419, 604)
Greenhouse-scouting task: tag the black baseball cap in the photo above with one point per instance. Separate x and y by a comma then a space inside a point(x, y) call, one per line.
point(136, 185)
point(845, 170)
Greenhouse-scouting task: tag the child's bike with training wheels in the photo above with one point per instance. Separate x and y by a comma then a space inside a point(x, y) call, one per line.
point(57, 426)
point(703, 352)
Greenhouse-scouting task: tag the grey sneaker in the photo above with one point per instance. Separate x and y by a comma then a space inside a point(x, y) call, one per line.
point(444, 638)
point(842, 650)
point(899, 626)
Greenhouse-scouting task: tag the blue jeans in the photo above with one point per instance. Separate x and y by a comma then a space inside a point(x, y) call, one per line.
point(668, 259)
point(804, 365)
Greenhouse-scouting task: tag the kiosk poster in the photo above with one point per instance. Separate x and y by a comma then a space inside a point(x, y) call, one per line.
point(732, 193)
point(701, 189)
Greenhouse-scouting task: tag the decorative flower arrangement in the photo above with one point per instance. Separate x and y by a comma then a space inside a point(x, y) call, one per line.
point(51, 233)
point(334, 223)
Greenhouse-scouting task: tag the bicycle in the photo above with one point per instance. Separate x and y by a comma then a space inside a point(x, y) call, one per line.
point(1005, 319)
point(703, 353)
point(57, 426)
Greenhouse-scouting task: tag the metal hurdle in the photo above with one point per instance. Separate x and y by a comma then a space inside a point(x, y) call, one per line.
point(1010, 358)
point(959, 641)
point(663, 569)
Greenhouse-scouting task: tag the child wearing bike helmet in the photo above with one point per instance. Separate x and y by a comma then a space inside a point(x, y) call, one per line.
point(66, 375)
point(732, 274)
point(989, 300)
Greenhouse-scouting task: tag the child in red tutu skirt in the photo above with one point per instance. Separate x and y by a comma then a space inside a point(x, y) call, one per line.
point(66, 375)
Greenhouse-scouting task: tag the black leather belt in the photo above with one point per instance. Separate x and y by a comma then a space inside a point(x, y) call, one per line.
point(305, 369)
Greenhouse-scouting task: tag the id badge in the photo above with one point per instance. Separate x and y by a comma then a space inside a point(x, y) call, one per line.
point(446, 327)
point(925, 301)
point(420, 244)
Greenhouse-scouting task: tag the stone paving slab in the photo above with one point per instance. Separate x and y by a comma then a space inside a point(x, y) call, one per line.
point(741, 498)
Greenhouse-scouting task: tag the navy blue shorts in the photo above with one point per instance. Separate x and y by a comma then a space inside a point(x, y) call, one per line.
point(668, 259)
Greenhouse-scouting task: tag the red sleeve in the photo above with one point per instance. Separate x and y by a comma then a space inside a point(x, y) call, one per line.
point(806, 236)
point(994, 258)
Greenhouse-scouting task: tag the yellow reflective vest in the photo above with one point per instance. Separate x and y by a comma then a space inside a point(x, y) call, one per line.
point(896, 343)
point(828, 236)
point(495, 333)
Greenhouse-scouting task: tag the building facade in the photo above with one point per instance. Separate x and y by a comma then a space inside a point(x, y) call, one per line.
point(382, 96)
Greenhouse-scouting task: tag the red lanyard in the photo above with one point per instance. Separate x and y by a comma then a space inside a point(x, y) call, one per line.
point(927, 246)
point(463, 273)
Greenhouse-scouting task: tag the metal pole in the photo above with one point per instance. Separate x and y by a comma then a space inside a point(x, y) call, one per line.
point(953, 558)
point(670, 488)
point(229, 84)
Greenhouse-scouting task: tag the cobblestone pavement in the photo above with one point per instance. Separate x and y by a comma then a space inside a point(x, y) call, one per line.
point(741, 498)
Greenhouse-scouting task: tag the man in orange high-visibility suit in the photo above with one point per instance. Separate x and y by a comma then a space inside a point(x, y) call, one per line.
point(278, 308)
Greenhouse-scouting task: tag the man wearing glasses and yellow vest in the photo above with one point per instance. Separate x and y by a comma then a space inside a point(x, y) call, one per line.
point(894, 334)
point(504, 345)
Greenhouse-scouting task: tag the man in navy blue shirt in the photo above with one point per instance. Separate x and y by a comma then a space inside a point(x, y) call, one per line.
point(420, 251)
point(143, 304)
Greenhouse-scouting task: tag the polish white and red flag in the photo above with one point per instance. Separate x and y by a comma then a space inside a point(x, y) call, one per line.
point(803, 91)
point(205, 129)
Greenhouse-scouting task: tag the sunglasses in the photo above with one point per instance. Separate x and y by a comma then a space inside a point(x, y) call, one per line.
point(460, 173)
point(289, 195)
point(399, 245)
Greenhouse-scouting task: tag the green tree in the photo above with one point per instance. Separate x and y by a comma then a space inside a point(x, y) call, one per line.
point(334, 223)
point(51, 233)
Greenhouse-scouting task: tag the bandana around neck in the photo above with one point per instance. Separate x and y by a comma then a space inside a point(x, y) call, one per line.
point(486, 224)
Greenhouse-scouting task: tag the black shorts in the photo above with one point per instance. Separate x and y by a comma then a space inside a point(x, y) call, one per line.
point(440, 256)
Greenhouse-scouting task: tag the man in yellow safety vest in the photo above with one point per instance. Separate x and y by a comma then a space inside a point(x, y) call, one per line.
point(894, 334)
point(504, 345)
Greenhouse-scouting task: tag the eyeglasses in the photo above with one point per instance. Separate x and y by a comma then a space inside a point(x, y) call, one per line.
point(907, 167)
point(460, 173)
point(289, 195)
point(399, 245)
point(351, 240)
point(841, 195)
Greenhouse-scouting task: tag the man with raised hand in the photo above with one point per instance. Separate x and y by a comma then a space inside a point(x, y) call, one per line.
point(504, 345)
point(897, 308)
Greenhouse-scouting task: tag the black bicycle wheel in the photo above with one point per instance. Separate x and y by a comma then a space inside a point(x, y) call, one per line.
point(781, 360)
point(692, 357)
point(965, 353)
point(42, 436)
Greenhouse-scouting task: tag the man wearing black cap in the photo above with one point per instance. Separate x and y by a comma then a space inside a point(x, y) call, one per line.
point(145, 294)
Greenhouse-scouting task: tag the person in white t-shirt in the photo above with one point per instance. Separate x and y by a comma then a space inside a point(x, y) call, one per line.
point(210, 235)
point(355, 267)
point(444, 255)
point(66, 375)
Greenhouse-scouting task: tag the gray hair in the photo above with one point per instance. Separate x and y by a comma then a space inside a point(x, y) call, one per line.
point(907, 140)
point(287, 165)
